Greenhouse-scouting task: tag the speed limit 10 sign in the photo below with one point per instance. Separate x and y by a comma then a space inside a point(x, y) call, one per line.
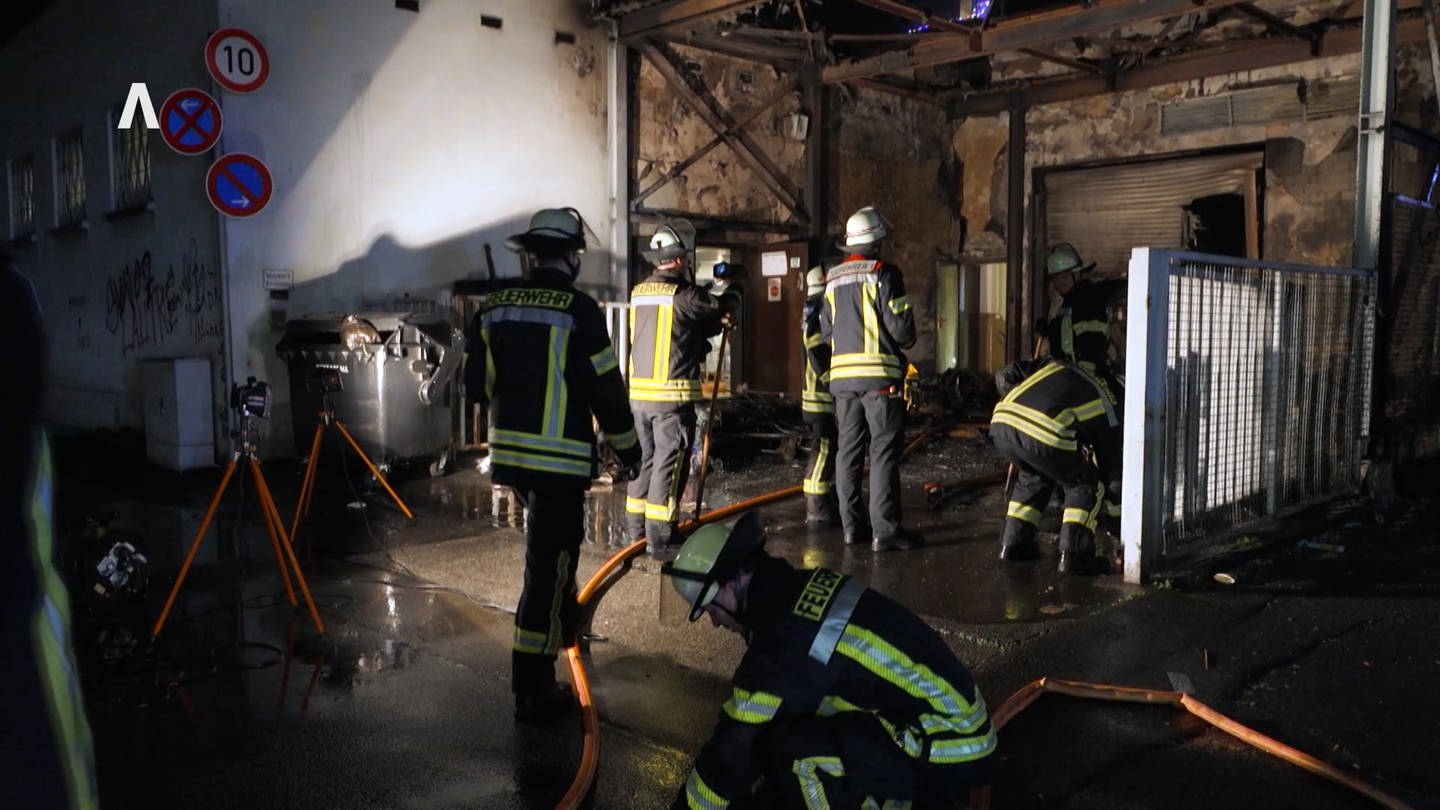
point(237, 60)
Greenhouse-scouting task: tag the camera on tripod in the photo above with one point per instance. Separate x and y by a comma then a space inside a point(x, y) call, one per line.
point(324, 380)
point(251, 399)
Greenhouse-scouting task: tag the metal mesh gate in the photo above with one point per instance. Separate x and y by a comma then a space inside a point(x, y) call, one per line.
point(1410, 365)
point(1248, 395)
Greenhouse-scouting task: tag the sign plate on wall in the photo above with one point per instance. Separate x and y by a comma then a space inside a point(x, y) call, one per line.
point(772, 288)
point(279, 279)
point(237, 60)
point(773, 263)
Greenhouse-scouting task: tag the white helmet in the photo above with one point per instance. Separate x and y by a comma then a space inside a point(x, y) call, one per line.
point(557, 230)
point(865, 227)
point(815, 282)
point(673, 240)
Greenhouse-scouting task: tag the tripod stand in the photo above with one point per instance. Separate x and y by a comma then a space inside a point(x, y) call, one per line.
point(245, 449)
point(307, 486)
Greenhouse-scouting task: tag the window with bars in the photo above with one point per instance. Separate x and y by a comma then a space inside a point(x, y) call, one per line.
point(20, 178)
point(130, 188)
point(69, 179)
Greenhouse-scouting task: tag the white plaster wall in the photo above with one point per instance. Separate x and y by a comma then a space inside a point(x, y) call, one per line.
point(106, 308)
point(400, 144)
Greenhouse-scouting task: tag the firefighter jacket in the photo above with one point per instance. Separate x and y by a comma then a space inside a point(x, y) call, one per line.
point(821, 643)
point(540, 354)
point(868, 322)
point(671, 323)
point(1080, 330)
point(816, 402)
point(1063, 407)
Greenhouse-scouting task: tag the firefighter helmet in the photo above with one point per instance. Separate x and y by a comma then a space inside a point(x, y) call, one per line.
point(711, 556)
point(815, 281)
point(673, 240)
point(865, 227)
point(1064, 258)
point(552, 230)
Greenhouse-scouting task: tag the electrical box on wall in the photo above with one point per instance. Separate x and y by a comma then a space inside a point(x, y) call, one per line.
point(179, 417)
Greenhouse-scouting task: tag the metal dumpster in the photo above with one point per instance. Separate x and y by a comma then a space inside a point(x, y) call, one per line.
point(389, 376)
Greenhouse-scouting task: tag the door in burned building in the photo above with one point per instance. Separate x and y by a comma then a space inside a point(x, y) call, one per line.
point(774, 307)
point(970, 328)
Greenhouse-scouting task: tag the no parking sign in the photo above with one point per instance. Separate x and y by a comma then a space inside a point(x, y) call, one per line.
point(238, 185)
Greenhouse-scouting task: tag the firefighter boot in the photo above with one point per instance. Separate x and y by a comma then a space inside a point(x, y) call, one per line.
point(1018, 541)
point(1077, 552)
point(821, 511)
point(541, 706)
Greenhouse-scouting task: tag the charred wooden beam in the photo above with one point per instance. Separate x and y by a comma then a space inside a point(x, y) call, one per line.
point(1280, 26)
point(663, 17)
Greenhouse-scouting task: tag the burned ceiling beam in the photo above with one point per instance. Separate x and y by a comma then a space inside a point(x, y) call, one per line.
point(1230, 57)
point(676, 14)
point(1280, 26)
point(1034, 30)
point(704, 105)
point(1074, 64)
point(740, 47)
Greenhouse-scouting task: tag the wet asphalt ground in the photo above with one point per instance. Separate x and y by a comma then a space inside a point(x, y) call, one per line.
point(1328, 640)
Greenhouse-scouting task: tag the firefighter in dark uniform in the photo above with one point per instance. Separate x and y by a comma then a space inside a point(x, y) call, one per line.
point(817, 407)
point(671, 323)
point(48, 759)
point(1060, 425)
point(844, 698)
point(1079, 331)
point(540, 354)
point(868, 323)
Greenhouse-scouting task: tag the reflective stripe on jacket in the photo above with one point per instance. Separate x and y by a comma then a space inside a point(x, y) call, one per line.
point(816, 400)
point(1064, 407)
point(822, 643)
point(1080, 330)
point(541, 356)
point(868, 321)
point(671, 323)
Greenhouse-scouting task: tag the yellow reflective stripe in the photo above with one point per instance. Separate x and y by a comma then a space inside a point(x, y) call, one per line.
point(663, 339)
point(1087, 411)
point(751, 707)
point(1039, 435)
point(700, 796)
point(647, 384)
point(635, 506)
point(1049, 370)
point(1020, 511)
point(661, 511)
point(604, 361)
point(853, 372)
point(489, 364)
point(1038, 418)
point(834, 704)
point(529, 641)
point(807, 772)
point(815, 483)
point(622, 441)
point(557, 601)
point(554, 444)
point(539, 463)
point(1090, 327)
point(1075, 515)
point(915, 679)
point(556, 391)
point(811, 341)
point(871, 318)
point(866, 358)
point(965, 749)
point(899, 305)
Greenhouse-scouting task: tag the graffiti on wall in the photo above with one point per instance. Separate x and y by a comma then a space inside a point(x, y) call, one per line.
point(145, 307)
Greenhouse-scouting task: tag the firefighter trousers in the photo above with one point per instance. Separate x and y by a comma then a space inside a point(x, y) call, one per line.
point(547, 616)
point(1039, 468)
point(652, 505)
point(876, 417)
point(848, 760)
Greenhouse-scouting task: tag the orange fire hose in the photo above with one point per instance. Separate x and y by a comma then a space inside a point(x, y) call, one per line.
point(1031, 692)
point(589, 714)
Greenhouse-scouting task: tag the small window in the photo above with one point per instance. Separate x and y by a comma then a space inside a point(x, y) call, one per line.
point(20, 173)
point(69, 180)
point(130, 188)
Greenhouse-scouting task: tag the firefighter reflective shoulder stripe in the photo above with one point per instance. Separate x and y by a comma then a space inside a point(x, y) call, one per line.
point(527, 314)
point(604, 361)
point(833, 628)
point(700, 796)
point(899, 305)
point(751, 707)
point(915, 679)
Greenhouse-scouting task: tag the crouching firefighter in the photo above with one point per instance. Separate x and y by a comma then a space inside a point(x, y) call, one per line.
point(817, 407)
point(540, 354)
point(843, 697)
point(1060, 425)
point(671, 323)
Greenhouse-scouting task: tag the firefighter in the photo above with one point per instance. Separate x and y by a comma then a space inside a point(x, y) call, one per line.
point(1060, 425)
point(868, 323)
point(843, 698)
point(540, 353)
point(671, 323)
point(1079, 331)
point(817, 407)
